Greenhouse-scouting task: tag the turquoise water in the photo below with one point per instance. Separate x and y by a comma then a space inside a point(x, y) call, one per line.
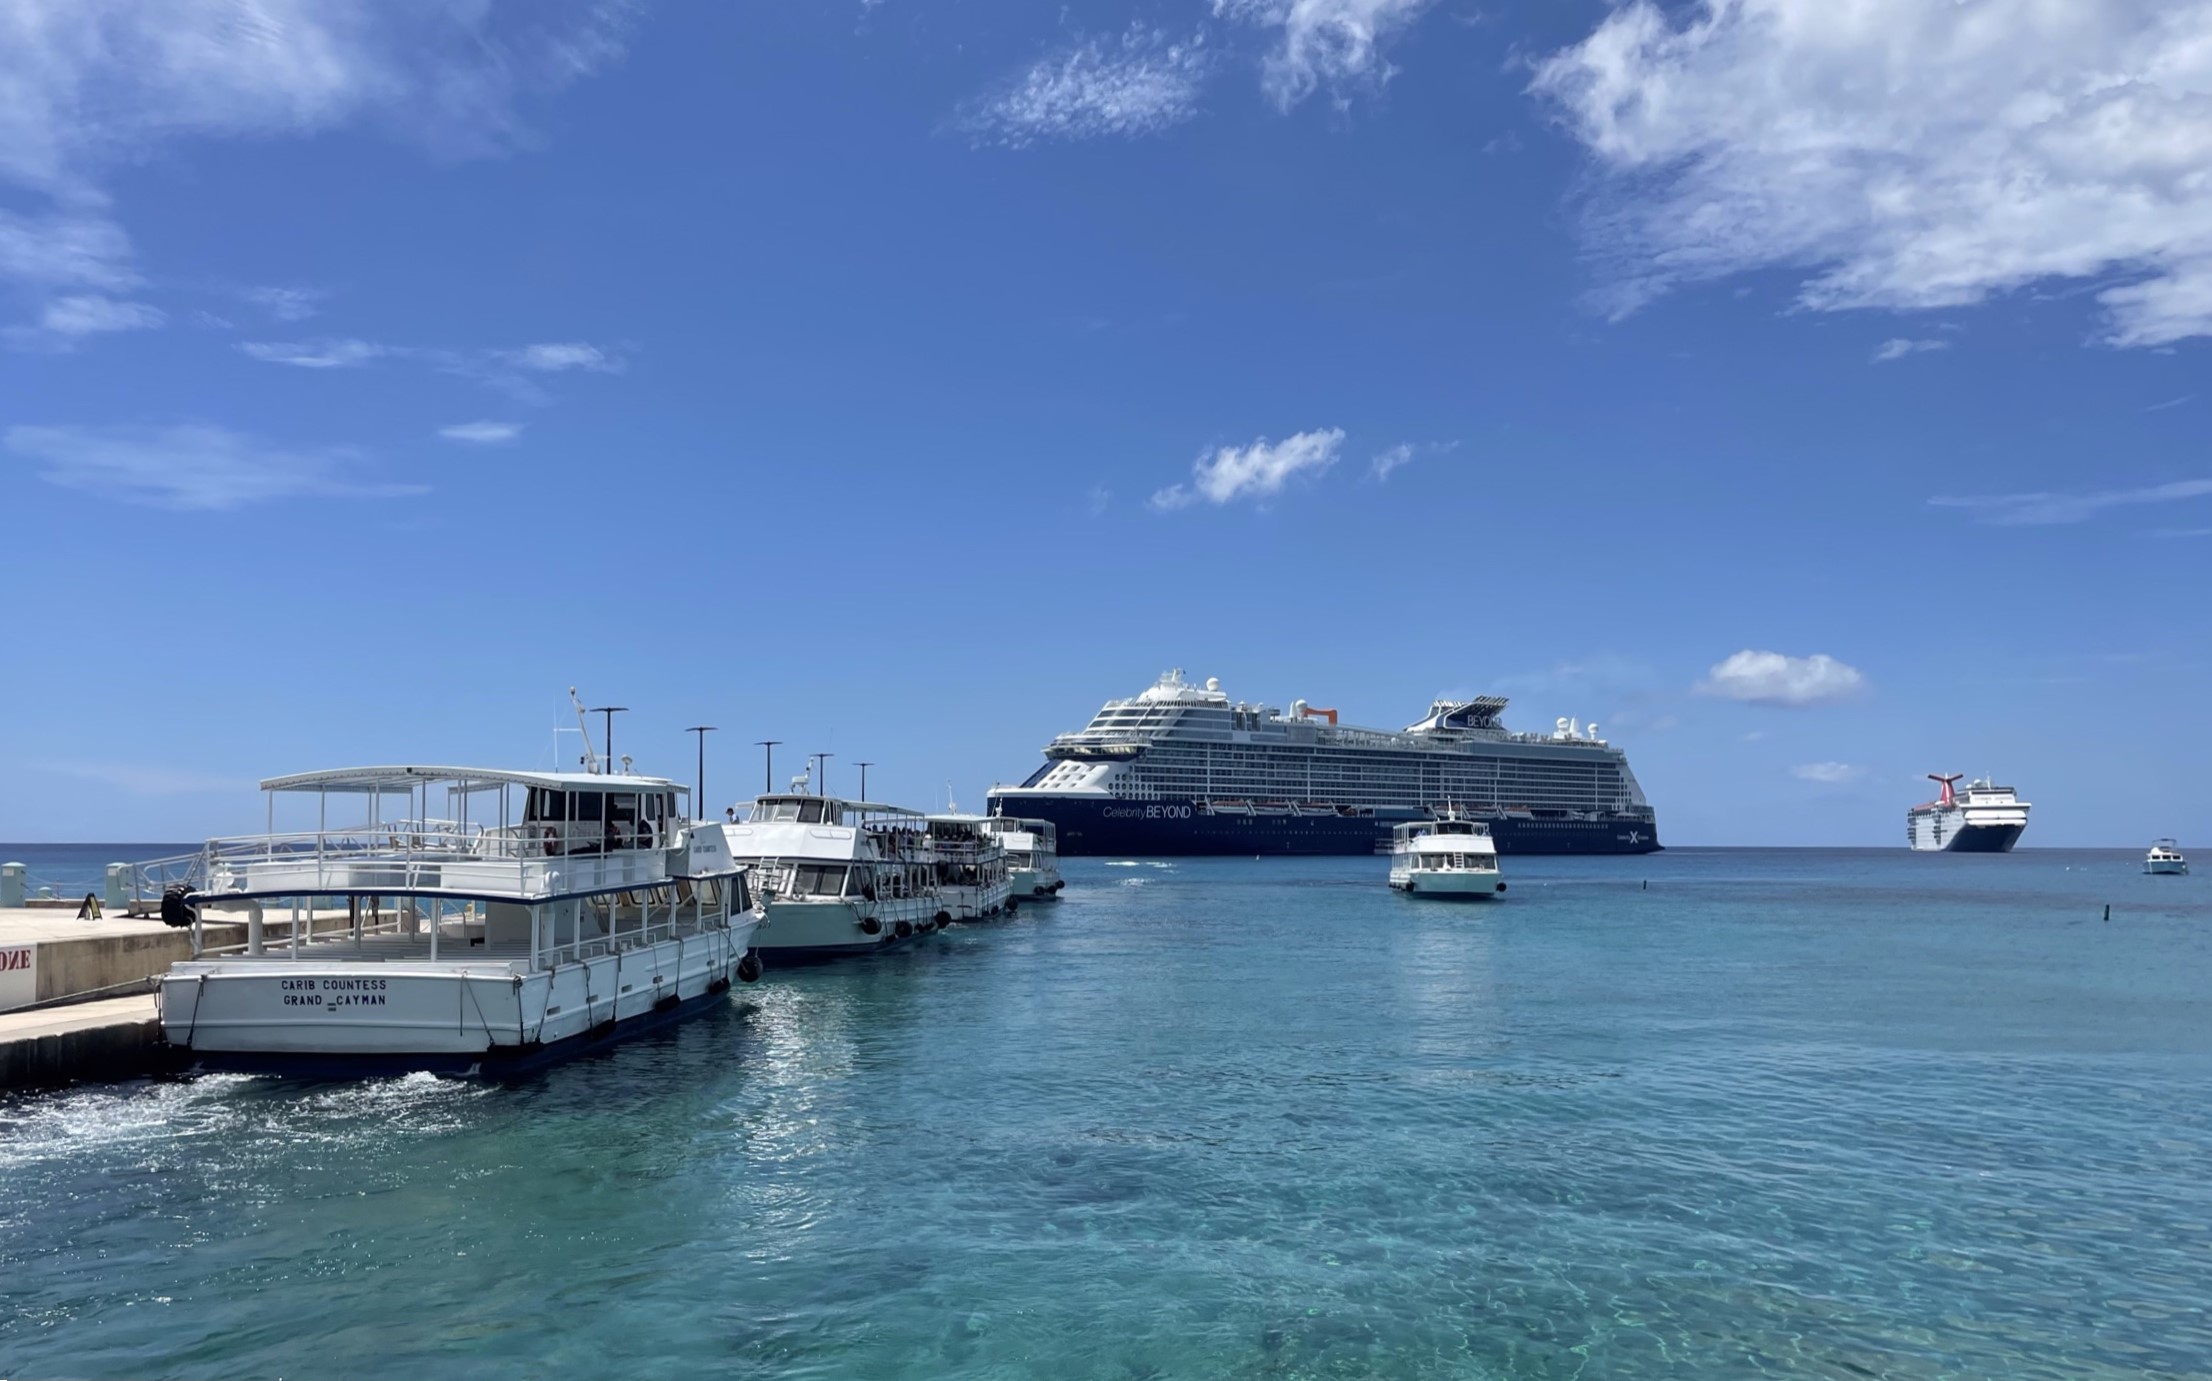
point(1784, 1113)
point(71, 870)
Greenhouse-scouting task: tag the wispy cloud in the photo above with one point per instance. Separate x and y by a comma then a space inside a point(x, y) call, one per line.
point(482, 433)
point(286, 304)
point(191, 467)
point(1775, 678)
point(317, 354)
point(1142, 83)
point(91, 83)
point(1902, 155)
point(1404, 453)
point(1257, 471)
point(1333, 43)
point(2045, 509)
point(513, 369)
point(68, 320)
point(1827, 773)
point(1099, 499)
point(1899, 347)
point(2172, 403)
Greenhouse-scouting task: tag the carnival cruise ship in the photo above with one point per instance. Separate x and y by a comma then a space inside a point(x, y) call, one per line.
point(1983, 819)
point(1182, 769)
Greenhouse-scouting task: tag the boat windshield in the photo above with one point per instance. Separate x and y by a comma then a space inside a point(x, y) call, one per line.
point(804, 810)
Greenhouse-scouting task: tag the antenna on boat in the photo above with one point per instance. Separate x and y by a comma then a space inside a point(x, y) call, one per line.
point(590, 760)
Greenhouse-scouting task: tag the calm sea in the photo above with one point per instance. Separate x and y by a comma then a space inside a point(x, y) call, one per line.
point(1813, 1114)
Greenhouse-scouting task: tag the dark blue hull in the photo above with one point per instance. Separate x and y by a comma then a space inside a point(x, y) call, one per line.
point(1153, 829)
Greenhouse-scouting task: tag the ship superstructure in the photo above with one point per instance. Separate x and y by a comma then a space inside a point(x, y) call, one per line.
point(1982, 819)
point(1183, 769)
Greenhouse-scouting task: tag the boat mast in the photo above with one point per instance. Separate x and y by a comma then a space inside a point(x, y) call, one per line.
point(583, 726)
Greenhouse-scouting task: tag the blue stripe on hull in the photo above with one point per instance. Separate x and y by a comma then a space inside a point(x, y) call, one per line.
point(1149, 829)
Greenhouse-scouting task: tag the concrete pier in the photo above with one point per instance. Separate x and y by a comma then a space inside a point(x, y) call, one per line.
point(119, 1038)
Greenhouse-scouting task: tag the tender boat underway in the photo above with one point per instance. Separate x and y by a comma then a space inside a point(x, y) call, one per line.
point(1449, 857)
point(546, 914)
point(1032, 856)
point(2165, 859)
point(834, 877)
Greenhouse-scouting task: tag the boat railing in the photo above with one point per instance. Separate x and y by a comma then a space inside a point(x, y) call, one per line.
point(531, 860)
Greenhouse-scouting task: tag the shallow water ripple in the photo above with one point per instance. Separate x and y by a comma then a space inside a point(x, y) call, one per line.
point(1802, 1115)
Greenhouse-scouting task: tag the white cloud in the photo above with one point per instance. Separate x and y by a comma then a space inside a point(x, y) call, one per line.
point(2039, 510)
point(482, 433)
point(1773, 678)
point(317, 354)
point(1827, 773)
point(1898, 348)
point(1324, 42)
point(1143, 83)
point(1398, 456)
point(87, 84)
point(192, 468)
point(508, 368)
point(67, 320)
point(1903, 154)
point(553, 359)
point(1257, 471)
point(1391, 459)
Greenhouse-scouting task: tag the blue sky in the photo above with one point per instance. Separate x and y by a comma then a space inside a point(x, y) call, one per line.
point(902, 379)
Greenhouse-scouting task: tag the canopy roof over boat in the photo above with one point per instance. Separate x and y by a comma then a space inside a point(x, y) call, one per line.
point(405, 778)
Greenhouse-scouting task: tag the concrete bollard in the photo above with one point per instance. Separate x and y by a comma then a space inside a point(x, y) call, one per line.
point(11, 884)
point(119, 887)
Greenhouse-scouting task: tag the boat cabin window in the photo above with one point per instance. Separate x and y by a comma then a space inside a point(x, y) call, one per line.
point(804, 810)
point(818, 880)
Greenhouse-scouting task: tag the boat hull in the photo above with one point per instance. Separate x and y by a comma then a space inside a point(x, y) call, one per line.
point(325, 1016)
point(2167, 868)
point(1976, 839)
point(1035, 884)
point(1451, 886)
point(1102, 826)
point(812, 931)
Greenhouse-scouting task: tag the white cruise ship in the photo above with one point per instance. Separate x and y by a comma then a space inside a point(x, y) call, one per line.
point(1983, 819)
point(1183, 769)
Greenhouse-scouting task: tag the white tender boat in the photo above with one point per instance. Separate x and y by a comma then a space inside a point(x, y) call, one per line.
point(971, 866)
point(2165, 859)
point(1449, 857)
point(545, 915)
point(833, 877)
point(1032, 856)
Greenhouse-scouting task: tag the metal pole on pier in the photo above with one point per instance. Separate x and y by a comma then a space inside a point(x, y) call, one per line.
point(699, 802)
point(864, 766)
point(610, 711)
point(768, 770)
point(821, 773)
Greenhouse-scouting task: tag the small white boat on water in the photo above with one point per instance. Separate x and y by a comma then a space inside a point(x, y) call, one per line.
point(1032, 856)
point(833, 877)
point(972, 881)
point(467, 920)
point(2165, 859)
point(1448, 857)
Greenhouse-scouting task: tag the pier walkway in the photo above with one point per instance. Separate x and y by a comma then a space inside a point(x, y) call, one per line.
point(112, 1039)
